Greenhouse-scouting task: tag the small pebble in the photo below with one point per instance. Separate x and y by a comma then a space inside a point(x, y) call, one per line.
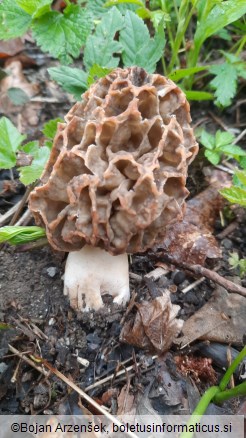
point(52, 271)
point(3, 367)
point(227, 243)
point(178, 277)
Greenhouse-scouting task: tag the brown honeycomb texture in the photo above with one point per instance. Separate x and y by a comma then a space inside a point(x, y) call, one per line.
point(117, 171)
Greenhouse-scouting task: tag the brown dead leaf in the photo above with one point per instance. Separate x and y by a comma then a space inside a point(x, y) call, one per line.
point(221, 319)
point(154, 326)
point(126, 402)
point(16, 79)
point(23, 115)
point(11, 47)
point(192, 240)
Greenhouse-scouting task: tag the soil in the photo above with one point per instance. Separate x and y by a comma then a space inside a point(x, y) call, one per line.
point(31, 299)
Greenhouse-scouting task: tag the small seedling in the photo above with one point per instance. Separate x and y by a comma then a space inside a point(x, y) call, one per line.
point(235, 262)
point(219, 145)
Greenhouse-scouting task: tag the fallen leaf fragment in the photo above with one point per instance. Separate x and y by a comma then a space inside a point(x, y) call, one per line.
point(11, 47)
point(221, 319)
point(126, 402)
point(16, 79)
point(154, 326)
point(192, 239)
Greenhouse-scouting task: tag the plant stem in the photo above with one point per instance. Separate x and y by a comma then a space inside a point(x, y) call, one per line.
point(200, 409)
point(183, 22)
point(229, 393)
point(232, 368)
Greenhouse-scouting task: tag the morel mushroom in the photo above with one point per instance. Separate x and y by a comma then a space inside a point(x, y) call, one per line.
point(115, 179)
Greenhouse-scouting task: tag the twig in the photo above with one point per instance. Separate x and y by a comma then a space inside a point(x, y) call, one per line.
point(27, 360)
point(22, 203)
point(211, 275)
point(192, 285)
point(225, 169)
point(219, 121)
point(239, 137)
point(4, 218)
point(119, 373)
point(228, 230)
point(25, 218)
point(72, 385)
point(87, 398)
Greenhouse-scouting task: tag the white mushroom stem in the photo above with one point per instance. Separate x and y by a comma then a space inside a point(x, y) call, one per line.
point(91, 272)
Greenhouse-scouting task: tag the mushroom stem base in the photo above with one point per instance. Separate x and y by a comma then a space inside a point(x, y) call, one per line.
point(92, 272)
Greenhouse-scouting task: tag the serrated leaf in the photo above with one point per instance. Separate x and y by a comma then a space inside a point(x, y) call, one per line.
point(10, 141)
point(14, 22)
point(50, 128)
point(101, 47)
point(176, 75)
point(138, 48)
point(207, 140)
point(118, 2)
point(97, 72)
point(220, 16)
point(36, 8)
point(241, 175)
point(198, 95)
point(212, 156)
point(223, 138)
point(29, 174)
point(225, 83)
point(71, 79)
point(96, 8)
point(233, 150)
point(236, 195)
point(63, 35)
point(17, 96)
point(30, 148)
point(16, 235)
point(242, 162)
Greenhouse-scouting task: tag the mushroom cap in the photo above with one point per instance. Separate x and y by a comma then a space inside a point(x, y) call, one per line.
point(117, 170)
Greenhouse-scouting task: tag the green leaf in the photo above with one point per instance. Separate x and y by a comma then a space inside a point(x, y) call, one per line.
point(63, 35)
point(29, 174)
point(14, 22)
point(96, 9)
point(71, 79)
point(212, 156)
point(241, 175)
point(223, 138)
point(176, 75)
point(233, 150)
point(17, 96)
point(30, 148)
point(198, 95)
point(220, 16)
point(138, 48)
point(236, 195)
point(242, 162)
point(50, 128)
point(225, 83)
point(97, 72)
point(118, 2)
point(36, 8)
point(10, 141)
point(101, 47)
point(17, 234)
point(207, 140)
